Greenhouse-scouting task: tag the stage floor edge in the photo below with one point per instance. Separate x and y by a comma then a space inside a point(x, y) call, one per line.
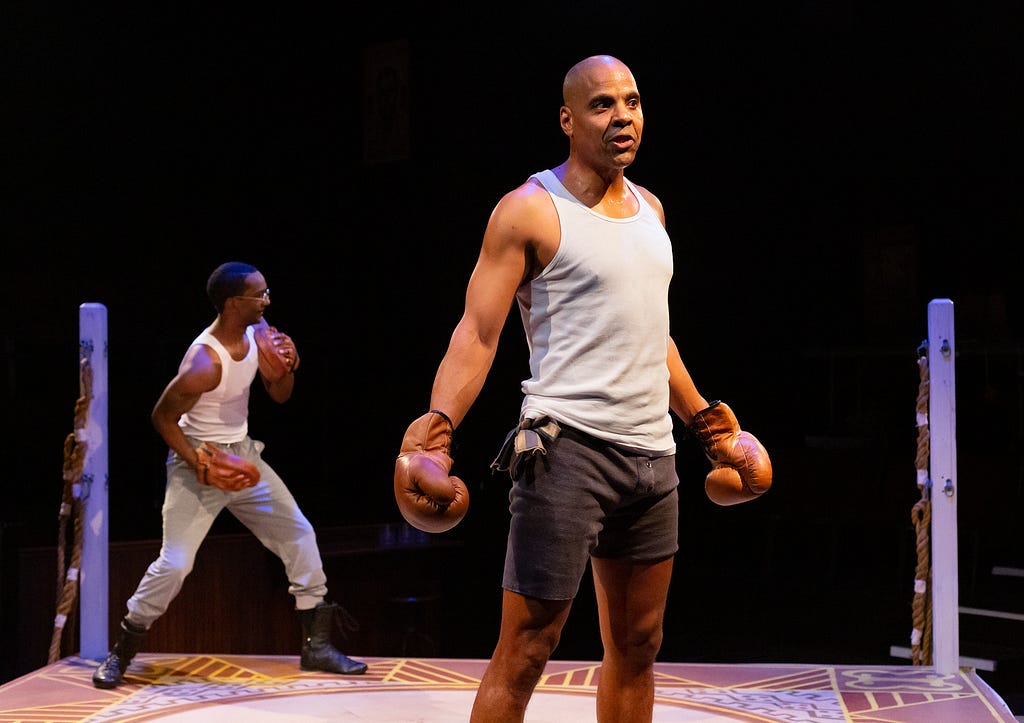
point(271, 689)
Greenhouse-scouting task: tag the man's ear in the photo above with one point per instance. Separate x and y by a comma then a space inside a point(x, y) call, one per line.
point(565, 119)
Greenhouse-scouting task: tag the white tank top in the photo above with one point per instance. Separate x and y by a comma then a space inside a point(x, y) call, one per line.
point(597, 325)
point(222, 414)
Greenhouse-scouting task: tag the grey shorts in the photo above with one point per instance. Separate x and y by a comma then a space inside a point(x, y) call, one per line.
point(586, 498)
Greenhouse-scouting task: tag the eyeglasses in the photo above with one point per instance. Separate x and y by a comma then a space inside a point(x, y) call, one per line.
point(264, 296)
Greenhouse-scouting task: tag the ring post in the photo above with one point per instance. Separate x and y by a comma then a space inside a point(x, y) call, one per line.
point(942, 430)
point(92, 492)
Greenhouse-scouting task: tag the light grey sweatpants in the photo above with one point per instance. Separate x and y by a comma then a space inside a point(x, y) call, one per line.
point(267, 509)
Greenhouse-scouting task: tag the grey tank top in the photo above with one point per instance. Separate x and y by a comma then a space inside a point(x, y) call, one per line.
point(597, 325)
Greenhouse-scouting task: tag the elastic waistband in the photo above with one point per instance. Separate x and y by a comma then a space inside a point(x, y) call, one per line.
point(221, 445)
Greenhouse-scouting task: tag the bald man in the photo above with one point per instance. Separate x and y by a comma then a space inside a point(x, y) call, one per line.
point(584, 253)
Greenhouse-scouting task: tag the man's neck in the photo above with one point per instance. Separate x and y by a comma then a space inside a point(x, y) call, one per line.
point(227, 330)
point(606, 192)
point(590, 184)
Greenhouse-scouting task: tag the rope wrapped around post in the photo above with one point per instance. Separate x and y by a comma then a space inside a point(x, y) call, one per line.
point(921, 516)
point(75, 448)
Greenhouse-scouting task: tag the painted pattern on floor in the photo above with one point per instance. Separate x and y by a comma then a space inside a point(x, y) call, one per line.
point(265, 688)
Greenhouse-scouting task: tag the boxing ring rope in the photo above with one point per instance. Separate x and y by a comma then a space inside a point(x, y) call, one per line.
point(935, 637)
point(70, 504)
point(84, 497)
point(921, 516)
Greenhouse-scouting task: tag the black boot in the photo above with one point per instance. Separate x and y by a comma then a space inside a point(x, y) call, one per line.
point(317, 651)
point(111, 670)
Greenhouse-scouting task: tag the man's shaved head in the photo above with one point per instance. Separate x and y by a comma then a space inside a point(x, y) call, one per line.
point(576, 79)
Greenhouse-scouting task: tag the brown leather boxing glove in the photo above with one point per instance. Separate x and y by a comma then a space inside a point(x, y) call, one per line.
point(428, 497)
point(226, 471)
point(740, 467)
point(277, 354)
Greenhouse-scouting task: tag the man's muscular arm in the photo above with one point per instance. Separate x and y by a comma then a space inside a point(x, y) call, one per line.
point(199, 373)
point(683, 399)
point(521, 233)
point(520, 237)
point(280, 390)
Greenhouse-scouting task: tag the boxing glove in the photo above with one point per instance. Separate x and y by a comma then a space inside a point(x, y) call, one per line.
point(740, 467)
point(428, 497)
point(277, 354)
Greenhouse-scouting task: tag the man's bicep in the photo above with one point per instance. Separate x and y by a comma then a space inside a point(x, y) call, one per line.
point(199, 373)
point(499, 271)
point(175, 401)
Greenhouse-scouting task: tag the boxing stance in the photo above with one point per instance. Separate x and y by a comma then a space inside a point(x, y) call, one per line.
point(585, 254)
point(214, 464)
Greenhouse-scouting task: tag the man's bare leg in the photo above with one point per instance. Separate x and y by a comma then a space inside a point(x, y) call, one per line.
point(631, 599)
point(530, 631)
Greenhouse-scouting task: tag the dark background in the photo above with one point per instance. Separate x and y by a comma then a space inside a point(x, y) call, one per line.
point(827, 169)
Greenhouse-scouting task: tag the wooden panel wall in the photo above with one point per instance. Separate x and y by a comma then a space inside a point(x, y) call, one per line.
point(389, 577)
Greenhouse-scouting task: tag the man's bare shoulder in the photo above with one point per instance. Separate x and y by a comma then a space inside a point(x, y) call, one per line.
point(524, 217)
point(200, 369)
point(200, 355)
point(528, 192)
point(652, 199)
point(646, 193)
point(529, 199)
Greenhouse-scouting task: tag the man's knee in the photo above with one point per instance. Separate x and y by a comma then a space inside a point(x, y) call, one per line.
point(638, 647)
